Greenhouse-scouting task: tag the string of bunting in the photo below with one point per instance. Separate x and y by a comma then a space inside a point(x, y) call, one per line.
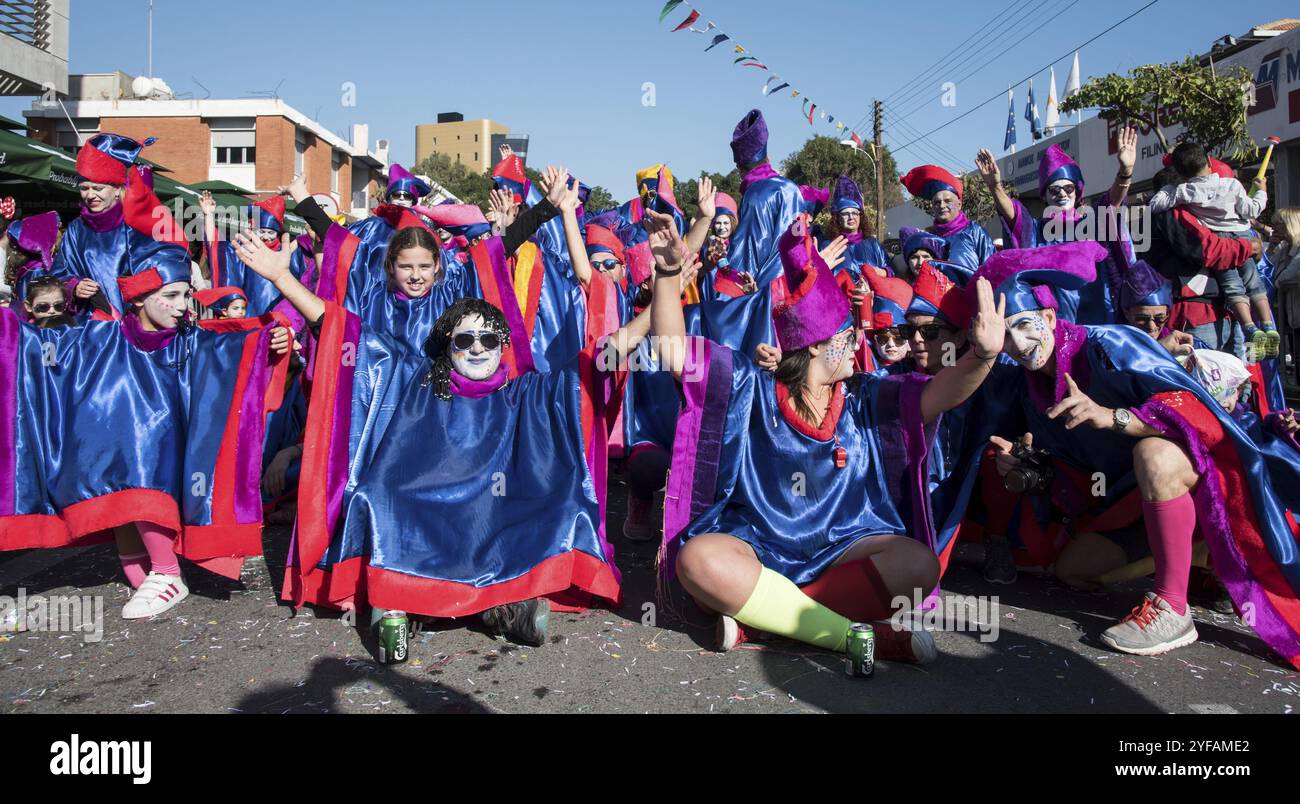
point(744, 58)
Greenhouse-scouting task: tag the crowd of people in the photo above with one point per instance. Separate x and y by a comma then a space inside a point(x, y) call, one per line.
point(437, 396)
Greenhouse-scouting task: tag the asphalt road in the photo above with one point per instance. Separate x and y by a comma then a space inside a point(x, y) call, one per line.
point(233, 647)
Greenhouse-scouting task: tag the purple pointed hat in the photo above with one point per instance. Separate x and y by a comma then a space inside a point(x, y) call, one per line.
point(1142, 286)
point(1056, 164)
point(749, 140)
point(847, 194)
point(401, 179)
point(914, 239)
point(36, 236)
point(1027, 275)
point(815, 307)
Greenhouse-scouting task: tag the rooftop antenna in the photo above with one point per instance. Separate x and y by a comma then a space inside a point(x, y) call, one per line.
point(150, 73)
point(205, 89)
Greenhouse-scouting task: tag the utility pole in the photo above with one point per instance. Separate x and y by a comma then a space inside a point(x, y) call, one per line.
point(879, 143)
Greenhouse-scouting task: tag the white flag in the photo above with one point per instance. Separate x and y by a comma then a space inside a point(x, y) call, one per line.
point(1072, 80)
point(1053, 114)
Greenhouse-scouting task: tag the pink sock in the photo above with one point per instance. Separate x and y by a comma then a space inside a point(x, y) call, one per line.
point(136, 567)
point(161, 544)
point(1169, 531)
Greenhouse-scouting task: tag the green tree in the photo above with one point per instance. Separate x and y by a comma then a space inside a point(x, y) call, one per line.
point(822, 160)
point(687, 191)
point(460, 181)
point(1211, 107)
point(599, 200)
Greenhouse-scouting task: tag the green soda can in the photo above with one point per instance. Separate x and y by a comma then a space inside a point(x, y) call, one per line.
point(394, 631)
point(861, 659)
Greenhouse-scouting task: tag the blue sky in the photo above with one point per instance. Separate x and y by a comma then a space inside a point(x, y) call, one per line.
point(570, 74)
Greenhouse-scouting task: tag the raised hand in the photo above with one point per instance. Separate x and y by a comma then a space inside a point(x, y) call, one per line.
point(665, 241)
point(207, 204)
point(833, 254)
point(1126, 149)
point(1003, 460)
point(1078, 408)
point(296, 189)
point(552, 182)
point(988, 329)
point(705, 194)
point(505, 150)
point(988, 167)
point(268, 264)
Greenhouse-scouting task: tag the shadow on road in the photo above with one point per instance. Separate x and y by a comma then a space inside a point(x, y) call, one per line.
point(325, 689)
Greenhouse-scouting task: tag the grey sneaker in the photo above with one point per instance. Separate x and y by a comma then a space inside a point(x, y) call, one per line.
point(999, 566)
point(728, 634)
point(524, 622)
point(1151, 629)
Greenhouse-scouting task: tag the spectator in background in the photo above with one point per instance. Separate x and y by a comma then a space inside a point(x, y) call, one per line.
point(1286, 278)
point(1211, 192)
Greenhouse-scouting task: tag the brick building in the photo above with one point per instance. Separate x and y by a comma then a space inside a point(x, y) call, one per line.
point(255, 144)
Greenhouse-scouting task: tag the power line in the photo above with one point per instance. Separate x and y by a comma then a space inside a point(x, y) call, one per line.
point(996, 42)
point(950, 53)
point(992, 37)
point(1001, 93)
point(949, 155)
point(1032, 31)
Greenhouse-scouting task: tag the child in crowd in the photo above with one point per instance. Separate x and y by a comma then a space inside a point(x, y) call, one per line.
point(1211, 193)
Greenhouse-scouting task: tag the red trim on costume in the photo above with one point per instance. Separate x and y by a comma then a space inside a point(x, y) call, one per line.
point(1238, 501)
point(823, 431)
point(29, 531)
point(313, 483)
point(340, 584)
point(437, 598)
point(122, 507)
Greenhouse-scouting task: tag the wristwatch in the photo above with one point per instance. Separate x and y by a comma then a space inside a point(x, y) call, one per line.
point(1122, 418)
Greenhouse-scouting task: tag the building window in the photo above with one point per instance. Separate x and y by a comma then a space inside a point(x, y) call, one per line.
point(336, 166)
point(299, 149)
point(475, 138)
point(476, 156)
point(234, 141)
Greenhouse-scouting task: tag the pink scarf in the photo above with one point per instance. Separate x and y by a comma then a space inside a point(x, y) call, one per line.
point(477, 389)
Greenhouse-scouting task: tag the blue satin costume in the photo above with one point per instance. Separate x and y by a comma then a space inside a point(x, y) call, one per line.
point(107, 432)
point(87, 254)
point(762, 455)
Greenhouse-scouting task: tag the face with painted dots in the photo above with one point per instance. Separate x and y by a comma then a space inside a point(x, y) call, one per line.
point(1031, 338)
point(836, 355)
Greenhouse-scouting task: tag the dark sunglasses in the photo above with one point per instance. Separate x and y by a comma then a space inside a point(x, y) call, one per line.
point(891, 335)
point(462, 342)
point(928, 331)
point(400, 195)
point(1143, 320)
point(605, 265)
point(45, 307)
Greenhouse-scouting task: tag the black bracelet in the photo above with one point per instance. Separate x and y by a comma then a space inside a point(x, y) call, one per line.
point(662, 274)
point(1122, 176)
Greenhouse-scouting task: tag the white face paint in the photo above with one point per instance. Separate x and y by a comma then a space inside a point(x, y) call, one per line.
point(164, 308)
point(1061, 194)
point(945, 206)
point(477, 362)
point(1030, 339)
point(722, 226)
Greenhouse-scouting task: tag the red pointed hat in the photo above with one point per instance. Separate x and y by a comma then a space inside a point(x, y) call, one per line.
point(105, 157)
point(270, 213)
point(926, 180)
point(218, 298)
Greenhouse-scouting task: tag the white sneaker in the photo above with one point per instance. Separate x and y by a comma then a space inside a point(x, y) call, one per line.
point(157, 594)
point(1151, 629)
